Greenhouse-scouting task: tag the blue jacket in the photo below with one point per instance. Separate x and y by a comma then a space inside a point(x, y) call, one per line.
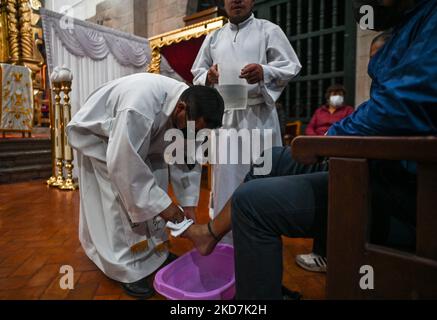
point(403, 97)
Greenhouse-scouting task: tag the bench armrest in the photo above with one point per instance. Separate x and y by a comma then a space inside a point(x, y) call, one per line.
point(308, 150)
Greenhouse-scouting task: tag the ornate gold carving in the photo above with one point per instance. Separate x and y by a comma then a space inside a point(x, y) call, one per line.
point(4, 43)
point(35, 4)
point(58, 136)
point(183, 34)
point(13, 33)
point(26, 31)
point(186, 33)
point(155, 64)
point(52, 179)
point(69, 184)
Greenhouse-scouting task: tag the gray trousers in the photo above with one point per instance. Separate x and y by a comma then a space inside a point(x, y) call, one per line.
point(291, 201)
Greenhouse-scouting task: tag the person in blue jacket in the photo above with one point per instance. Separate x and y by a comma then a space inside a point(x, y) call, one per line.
point(292, 201)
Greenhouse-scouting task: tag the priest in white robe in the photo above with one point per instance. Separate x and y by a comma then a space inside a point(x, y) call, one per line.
point(119, 138)
point(268, 63)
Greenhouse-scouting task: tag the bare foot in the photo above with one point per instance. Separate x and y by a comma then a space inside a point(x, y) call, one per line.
point(201, 238)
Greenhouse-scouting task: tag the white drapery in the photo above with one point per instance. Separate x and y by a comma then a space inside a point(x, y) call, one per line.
point(95, 54)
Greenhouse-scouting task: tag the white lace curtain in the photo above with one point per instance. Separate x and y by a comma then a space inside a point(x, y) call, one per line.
point(95, 54)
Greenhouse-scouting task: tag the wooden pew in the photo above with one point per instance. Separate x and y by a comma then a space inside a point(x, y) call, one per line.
point(397, 274)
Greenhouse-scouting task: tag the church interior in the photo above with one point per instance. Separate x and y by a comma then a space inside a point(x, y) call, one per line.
point(54, 54)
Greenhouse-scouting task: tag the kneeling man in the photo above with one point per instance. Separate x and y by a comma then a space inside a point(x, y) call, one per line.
point(119, 138)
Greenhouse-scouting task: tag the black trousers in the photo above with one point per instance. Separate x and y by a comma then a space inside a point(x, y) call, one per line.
point(292, 201)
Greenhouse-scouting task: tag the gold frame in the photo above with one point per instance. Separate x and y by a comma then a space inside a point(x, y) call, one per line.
point(176, 36)
point(194, 31)
point(297, 124)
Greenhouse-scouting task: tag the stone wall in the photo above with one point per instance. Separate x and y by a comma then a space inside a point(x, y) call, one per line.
point(363, 81)
point(148, 18)
point(145, 18)
point(80, 9)
point(117, 14)
point(165, 15)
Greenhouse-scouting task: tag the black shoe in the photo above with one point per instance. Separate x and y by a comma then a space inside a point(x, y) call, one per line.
point(290, 295)
point(171, 257)
point(140, 289)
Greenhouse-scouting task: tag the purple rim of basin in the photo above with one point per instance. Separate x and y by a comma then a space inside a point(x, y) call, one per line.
point(176, 294)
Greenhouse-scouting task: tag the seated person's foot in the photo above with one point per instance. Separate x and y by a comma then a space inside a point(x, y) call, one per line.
point(312, 262)
point(290, 295)
point(202, 239)
point(140, 289)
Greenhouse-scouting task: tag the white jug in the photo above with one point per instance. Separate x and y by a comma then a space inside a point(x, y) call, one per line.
point(233, 89)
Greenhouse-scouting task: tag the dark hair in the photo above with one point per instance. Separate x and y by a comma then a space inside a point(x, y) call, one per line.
point(335, 88)
point(204, 102)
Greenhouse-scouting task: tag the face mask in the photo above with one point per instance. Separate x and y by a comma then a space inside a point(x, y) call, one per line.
point(185, 133)
point(384, 17)
point(336, 101)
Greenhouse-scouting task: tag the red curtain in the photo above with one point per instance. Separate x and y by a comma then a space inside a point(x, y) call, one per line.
point(181, 56)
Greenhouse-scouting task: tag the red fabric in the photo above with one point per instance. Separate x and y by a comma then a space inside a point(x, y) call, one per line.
point(181, 56)
point(323, 120)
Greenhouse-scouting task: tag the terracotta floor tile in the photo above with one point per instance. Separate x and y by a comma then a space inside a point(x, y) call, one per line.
point(124, 296)
point(22, 294)
point(12, 283)
point(109, 288)
point(40, 233)
point(54, 290)
point(90, 277)
point(106, 297)
point(5, 272)
point(16, 259)
point(31, 265)
point(83, 292)
point(44, 276)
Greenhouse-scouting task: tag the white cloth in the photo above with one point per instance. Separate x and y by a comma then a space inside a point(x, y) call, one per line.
point(123, 53)
point(177, 229)
point(252, 41)
point(86, 39)
point(91, 69)
point(119, 137)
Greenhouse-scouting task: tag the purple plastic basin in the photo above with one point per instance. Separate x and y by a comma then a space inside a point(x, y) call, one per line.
point(193, 277)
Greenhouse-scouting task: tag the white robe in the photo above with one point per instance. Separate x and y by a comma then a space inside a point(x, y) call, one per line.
point(119, 137)
point(252, 41)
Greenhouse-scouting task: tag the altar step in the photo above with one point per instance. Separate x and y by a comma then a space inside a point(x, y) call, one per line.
point(24, 160)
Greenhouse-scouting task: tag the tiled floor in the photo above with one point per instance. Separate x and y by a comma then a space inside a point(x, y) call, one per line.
point(38, 228)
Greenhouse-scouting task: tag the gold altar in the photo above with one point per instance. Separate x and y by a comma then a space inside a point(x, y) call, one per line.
point(20, 39)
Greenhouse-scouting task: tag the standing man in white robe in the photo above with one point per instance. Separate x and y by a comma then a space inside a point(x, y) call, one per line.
point(119, 138)
point(271, 64)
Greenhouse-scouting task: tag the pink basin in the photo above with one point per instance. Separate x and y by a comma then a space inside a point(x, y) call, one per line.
point(193, 277)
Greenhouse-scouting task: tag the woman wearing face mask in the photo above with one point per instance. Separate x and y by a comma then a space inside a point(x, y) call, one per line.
point(334, 111)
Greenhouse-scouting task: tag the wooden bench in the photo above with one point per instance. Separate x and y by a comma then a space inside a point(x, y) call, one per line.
point(397, 274)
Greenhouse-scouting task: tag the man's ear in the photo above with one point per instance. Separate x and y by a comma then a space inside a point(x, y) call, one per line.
point(181, 106)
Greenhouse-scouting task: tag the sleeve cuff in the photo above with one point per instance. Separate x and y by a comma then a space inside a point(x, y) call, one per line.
point(268, 77)
point(189, 201)
point(202, 79)
point(154, 210)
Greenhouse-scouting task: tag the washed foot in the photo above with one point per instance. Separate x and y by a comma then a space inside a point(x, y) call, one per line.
point(201, 238)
